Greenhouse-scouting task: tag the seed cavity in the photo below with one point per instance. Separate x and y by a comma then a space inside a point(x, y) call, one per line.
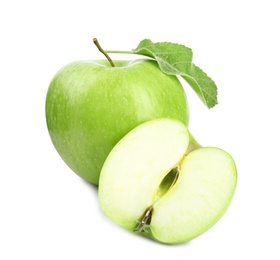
point(165, 186)
point(167, 183)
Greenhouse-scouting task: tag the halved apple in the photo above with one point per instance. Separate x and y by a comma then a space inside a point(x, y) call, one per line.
point(158, 181)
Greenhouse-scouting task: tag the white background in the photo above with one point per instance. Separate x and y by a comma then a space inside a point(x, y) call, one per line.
point(47, 212)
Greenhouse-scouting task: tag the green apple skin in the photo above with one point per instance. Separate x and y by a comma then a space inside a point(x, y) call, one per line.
point(91, 105)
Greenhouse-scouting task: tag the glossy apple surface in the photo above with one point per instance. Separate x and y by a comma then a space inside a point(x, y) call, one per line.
point(90, 106)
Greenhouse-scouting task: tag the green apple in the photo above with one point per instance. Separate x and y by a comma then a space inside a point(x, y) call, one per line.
point(91, 105)
point(158, 181)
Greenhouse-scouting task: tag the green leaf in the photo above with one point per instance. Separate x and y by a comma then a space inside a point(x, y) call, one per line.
point(176, 59)
point(203, 86)
point(171, 57)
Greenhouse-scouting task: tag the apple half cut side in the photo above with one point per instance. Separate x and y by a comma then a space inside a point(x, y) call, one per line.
point(158, 181)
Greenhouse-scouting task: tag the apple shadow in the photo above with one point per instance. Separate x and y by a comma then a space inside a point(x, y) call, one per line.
point(94, 187)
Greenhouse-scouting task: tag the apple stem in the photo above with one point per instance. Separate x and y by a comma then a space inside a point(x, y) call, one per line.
point(95, 41)
point(121, 52)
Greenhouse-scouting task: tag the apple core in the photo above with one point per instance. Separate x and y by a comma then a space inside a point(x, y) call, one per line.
point(166, 184)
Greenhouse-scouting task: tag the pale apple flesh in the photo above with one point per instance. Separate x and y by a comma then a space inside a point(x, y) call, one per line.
point(159, 182)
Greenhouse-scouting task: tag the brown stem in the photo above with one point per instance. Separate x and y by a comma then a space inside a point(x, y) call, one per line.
point(144, 221)
point(95, 41)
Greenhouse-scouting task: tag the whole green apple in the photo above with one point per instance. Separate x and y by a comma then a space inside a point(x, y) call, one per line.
point(91, 105)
